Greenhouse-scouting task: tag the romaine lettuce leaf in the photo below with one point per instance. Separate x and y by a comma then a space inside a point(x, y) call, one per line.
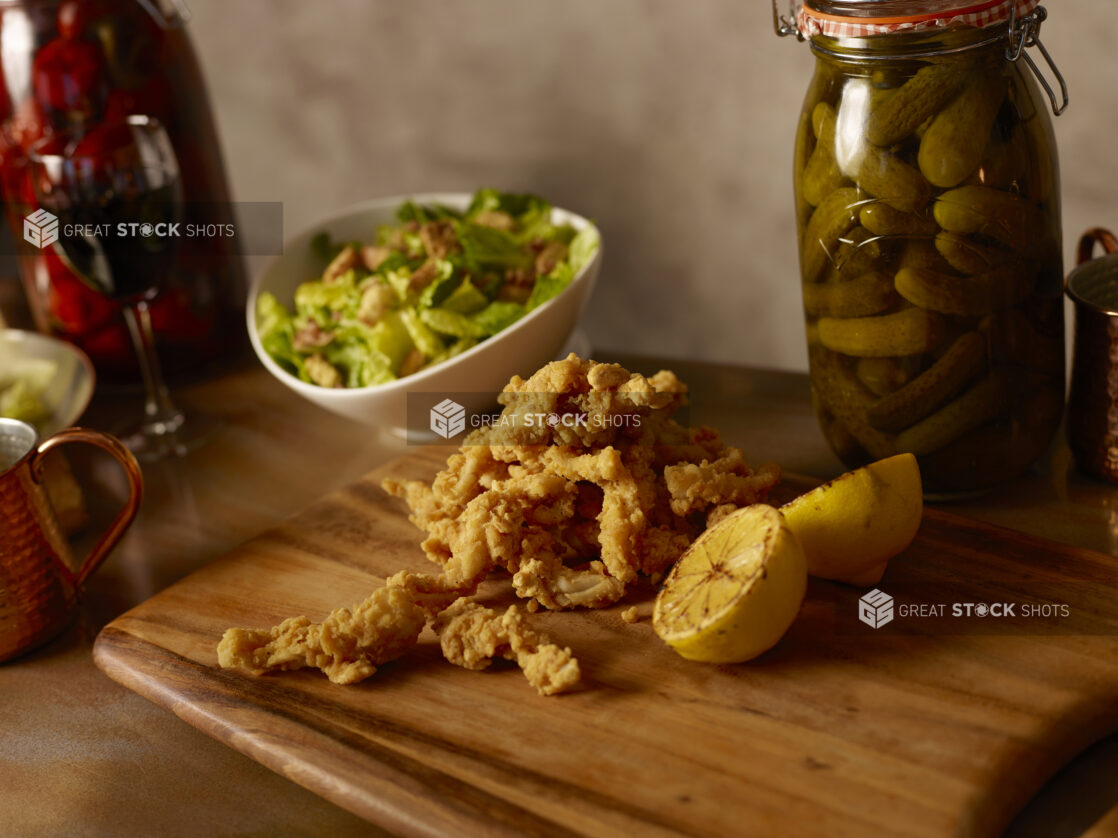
point(441, 287)
point(466, 299)
point(550, 286)
point(457, 348)
point(499, 315)
point(424, 339)
point(451, 323)
point(488, 248)
point(321, 300)
point(583, 247)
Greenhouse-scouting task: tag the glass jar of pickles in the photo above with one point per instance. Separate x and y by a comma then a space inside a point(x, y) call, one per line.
point(928, 204)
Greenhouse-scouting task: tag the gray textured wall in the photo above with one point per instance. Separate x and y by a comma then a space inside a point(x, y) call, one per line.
point(669, 121)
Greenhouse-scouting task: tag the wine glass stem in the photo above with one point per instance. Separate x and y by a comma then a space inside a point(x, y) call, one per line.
point(162, 417)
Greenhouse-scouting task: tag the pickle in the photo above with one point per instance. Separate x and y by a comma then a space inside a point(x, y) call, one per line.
point(812, 329)
point(980, 459)
point(1001, 288)
point(883, 376)
point(1003, 163)
point(974, 408)
point(868, 294)
point(892, 181)
point(967, 256)
point(1040, 174)
point(883, 220)
point(999, 215)
point(821, 174)
point(821, 90)
point(1019, 342)
point(836, 215)
point(923, 127)
point(921, 253)
point(859, 252)
point(842, 442)
point(907, 332)
point(1002, 451)
point(800, 155)
point(952, 147)
point(932, 388)
point(847, 400)
point(918, 99)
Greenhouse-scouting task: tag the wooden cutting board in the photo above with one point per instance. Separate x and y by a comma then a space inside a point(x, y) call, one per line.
point(922, 727)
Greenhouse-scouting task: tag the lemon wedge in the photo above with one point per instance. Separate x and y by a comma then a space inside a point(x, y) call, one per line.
point(851, 527)
point(736, 590)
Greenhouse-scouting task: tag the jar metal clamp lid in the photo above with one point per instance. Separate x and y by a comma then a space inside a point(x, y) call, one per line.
point(1021, 20)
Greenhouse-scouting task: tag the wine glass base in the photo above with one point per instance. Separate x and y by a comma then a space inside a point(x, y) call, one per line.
point(175, 437)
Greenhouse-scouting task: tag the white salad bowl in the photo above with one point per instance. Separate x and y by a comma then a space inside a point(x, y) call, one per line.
point(66, 371)
point(472, 379)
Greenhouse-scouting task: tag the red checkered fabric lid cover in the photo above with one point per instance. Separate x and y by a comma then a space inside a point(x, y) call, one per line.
point(962, 13)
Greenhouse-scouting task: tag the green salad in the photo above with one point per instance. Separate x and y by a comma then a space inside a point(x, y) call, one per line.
point(430, 286)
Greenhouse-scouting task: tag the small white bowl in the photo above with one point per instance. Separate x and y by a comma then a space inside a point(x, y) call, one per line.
point(70, 389)
point(473, 378)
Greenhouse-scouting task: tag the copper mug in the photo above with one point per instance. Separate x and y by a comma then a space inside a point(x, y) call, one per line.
point(40, 580)
point(1092, 418)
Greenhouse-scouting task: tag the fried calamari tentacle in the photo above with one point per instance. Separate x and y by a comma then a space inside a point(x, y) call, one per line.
point(556, 587)
point(661, 547)
point(347, 646)
point(467, 474)
point(471, 636)
point(597, 394)
point(698, 486)
point(622, 520)
point(430, 593)
point(487, 531)
point(541, 575)
point(493, 525)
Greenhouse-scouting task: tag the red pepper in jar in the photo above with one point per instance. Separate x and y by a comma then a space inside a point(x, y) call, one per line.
point(102, 141)
point(150, 99)
point(74, 307)
point(173, 316)
point(75, 18)
point(26, 191)
point(111, 346)
point(28, 124)
point(68, 78)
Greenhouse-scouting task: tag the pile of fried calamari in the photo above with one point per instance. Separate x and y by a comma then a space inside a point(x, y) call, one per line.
point(583, 483)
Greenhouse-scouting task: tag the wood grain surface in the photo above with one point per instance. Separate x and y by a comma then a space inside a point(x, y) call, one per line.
point(916, 729)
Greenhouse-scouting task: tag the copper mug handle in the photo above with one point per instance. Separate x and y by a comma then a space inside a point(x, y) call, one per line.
point(1101, 235)
point(126, 515)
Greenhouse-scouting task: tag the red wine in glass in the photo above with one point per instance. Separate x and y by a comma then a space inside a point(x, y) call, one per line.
point(118, 197)
point(118, 257)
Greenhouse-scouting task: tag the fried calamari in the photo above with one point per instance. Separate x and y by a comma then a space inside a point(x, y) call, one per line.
point(471, 636)
point(584, 483)
point(348, 645)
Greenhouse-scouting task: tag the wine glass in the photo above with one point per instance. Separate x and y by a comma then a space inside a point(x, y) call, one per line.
point(118, 197)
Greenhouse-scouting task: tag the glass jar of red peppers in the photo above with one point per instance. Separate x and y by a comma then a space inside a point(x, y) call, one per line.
point(78, 68)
